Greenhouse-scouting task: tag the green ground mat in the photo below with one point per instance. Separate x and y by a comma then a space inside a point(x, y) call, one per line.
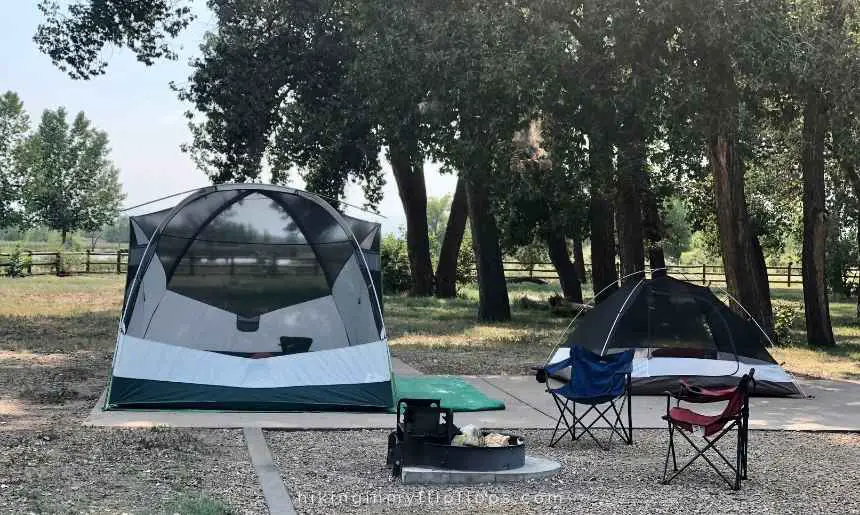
point(454, 392)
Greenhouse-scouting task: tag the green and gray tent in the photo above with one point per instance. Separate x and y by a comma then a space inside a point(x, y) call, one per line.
point(249, 296)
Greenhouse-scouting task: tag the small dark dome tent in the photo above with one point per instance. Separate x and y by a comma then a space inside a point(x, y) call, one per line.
point(679, 330)
point(248, 296)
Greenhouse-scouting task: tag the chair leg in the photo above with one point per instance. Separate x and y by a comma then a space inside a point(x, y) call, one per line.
point(629, 410)
point(739, 458)
point(746, 445)
point(562, 410)
point(669, 450)
point(700, 453)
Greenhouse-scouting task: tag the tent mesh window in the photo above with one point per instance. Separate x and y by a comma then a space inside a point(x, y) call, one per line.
point(250, 258)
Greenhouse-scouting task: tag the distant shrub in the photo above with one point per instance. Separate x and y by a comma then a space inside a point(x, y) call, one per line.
point(396, 276)
point(466, 261)
point(18, 263)
point(785, 315)
point(68, 262)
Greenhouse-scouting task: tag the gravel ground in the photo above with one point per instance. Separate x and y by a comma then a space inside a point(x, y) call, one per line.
point(344, 472)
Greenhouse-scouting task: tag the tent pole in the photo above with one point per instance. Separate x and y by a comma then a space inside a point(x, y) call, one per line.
point(618, 316)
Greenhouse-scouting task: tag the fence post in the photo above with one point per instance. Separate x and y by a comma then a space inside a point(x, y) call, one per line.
point(119, 261)
point(789, 275)
point(57, 263)
point(87, 264)
point(704, 274)
point(30, 262)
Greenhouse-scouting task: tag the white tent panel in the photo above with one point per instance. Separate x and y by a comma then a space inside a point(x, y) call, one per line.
point(152, 288)
point(146, 359)
point(350, 292)
point(684, 367)
point(183, 321)
point(655, 367)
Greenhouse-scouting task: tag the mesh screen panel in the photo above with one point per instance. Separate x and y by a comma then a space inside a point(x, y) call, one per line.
point(250, 258)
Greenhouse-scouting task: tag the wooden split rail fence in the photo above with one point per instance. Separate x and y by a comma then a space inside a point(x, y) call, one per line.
point(786, 276)
point(104, 262)
point(68, 263)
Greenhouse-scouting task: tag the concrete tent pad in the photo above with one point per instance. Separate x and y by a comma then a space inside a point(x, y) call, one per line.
point(832, 405)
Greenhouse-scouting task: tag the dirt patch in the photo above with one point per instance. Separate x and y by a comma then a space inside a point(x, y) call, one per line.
point(55, 356)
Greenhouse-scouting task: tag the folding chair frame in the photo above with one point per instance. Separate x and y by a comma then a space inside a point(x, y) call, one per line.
point(567, 406)
point(740, 423)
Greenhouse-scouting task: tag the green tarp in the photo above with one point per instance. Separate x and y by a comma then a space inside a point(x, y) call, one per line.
point(454, 392)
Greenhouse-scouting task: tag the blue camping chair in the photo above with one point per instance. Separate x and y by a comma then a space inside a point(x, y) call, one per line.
point(594, 380)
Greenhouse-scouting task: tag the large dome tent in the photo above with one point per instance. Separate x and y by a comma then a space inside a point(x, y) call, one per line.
point(249, 296)
point(679, 330)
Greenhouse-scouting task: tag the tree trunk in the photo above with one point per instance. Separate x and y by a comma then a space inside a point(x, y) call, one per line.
point(446, 269)
point(743, 260)
point(818, 329)
point(653, 229)
point(493, 302)
point(603, 272)
point(631, 167)
point(408, 167)
point(567, 273)
point(63, 234)
point(579, 260)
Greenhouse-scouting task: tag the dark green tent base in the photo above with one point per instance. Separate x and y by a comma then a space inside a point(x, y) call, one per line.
point(128, 393)
point(454, 393)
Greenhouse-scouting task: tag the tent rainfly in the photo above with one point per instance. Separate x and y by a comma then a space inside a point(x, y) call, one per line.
point(249, 296)
point(679, 330)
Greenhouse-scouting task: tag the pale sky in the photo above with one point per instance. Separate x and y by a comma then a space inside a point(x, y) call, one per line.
point(141, 115)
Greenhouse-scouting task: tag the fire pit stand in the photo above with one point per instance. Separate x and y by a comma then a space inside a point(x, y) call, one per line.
point(423, 439)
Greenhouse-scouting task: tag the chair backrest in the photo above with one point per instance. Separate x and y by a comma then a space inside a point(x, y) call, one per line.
point(739, 399)
point(595, 375)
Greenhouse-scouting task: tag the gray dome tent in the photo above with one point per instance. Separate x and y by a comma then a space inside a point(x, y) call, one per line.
point(248, 296)
point(679, 330)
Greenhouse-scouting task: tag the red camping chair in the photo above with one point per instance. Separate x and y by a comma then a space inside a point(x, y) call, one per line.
point(712, 427)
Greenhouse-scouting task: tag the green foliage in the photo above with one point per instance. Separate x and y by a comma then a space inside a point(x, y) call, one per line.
point(532, 254)
point(69, 182)
point(17, 263)
point(786, 314)
point(396, 277)
point(438, 209)
point(76, 38)
point(14, 124)
point(466, 261)
point(68, 262)
point(678, 236)
point(841, 261)
point(701, 250)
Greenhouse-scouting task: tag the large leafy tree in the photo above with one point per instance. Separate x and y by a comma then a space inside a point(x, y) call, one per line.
point(69, 182)
point(722, 54)
point(76, 37)
point(822, 64)
point(14, 124)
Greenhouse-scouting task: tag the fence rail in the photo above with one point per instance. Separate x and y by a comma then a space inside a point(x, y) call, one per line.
point(788, 276)
point(70, 263)
point(116, 262)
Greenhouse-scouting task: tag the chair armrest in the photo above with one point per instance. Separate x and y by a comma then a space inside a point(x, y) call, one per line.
point(555, 367)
